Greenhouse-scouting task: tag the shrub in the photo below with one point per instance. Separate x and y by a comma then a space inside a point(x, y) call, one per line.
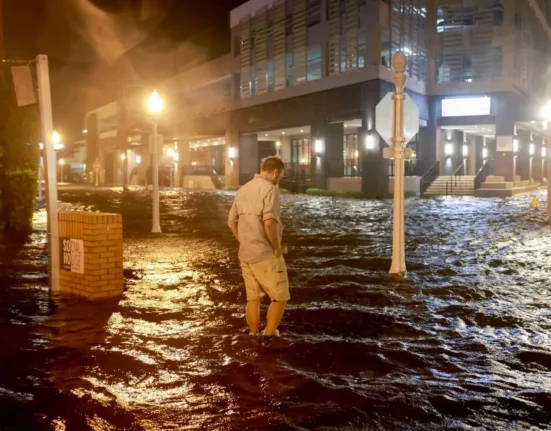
point(19, 199)
point(284, 191)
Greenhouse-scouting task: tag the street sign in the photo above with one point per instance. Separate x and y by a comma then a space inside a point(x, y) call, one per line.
point(388, 153)
point(24, 86)
point(384, 115)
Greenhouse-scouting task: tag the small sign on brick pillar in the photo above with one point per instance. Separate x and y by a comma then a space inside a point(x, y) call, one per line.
point(91, 254)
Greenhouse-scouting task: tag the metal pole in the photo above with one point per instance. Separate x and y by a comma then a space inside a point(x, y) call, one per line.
point(46, 125)
point(548, 155)
point(398, 266)
point(40, 198)
point(156, 227)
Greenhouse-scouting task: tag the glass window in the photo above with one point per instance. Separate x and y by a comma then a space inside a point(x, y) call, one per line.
point(343, 54)
point(468, 66)
point(270, 77)
point(314, 63)
point(362, 44)
point(351, 156)
point(498, 62)
point(301, 150)
point(289, 69)
point(252, 80)
point(313, 11)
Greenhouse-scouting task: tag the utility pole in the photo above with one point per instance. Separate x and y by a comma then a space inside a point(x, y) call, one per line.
point(46, 125)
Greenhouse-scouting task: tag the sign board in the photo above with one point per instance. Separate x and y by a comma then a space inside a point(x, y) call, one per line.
point(466, 106)
point(71, 256)
point(504, 143)
point(23, 83)
point(384, 118)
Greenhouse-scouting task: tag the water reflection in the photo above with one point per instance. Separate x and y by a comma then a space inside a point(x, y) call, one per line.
point(462, 343)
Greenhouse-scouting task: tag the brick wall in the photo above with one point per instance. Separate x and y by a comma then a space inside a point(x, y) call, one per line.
point(103, 248)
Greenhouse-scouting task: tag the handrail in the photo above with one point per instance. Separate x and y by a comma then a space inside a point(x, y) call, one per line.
point(482, 174)
point(453, 177)
point(428, 178)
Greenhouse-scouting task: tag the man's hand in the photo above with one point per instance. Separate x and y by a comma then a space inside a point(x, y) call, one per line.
point(277, 252)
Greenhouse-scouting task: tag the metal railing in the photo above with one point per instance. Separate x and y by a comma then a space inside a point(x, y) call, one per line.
point(455, 178)
point(428, 178)
point(482, 174)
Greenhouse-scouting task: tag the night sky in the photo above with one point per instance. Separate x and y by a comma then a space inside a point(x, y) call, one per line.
point(95, 45)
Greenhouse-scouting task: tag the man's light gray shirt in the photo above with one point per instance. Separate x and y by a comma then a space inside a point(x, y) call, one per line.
point(255, 202)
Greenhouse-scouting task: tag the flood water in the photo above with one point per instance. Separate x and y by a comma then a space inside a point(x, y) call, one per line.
point(463, 343)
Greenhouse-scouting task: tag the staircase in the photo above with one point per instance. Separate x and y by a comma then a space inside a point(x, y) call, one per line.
point(462, 186)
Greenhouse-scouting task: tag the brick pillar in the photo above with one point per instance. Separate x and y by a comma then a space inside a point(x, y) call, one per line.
point(91, 247)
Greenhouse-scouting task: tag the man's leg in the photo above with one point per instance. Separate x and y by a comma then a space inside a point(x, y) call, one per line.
point(252, 313)
point(275, 313)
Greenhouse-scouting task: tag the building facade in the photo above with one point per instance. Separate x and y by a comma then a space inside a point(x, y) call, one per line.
point(304, 78)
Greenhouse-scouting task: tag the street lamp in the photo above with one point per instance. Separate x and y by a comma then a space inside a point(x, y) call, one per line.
point(155, 106)
point(546, 114)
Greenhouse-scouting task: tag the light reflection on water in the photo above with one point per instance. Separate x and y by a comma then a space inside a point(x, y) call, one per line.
point(462, 342)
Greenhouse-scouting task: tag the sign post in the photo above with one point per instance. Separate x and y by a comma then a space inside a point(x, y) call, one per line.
point(45, 103)
point(397, 121)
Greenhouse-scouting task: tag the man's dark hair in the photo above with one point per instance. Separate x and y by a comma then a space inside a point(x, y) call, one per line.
point(272, 163)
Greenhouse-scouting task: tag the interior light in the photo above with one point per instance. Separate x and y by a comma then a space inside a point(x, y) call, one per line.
point(123, 156)
point(532, 148)
point(448, 149)
point(484, 153)
point(138, 159)
point(515, 145)
point(544, 152)
point(232, 152)
point(318, 146)
point(465, 150)
point(369, 142)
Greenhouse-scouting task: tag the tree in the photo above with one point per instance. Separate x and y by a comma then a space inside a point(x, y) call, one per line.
point(19, 157)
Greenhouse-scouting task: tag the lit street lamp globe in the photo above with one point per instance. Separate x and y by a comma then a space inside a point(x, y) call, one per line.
point(155, 103)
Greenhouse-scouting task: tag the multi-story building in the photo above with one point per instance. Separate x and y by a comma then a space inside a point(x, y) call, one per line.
point(304, 77)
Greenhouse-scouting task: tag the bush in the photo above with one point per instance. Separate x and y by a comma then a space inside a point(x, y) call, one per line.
point(284, 191)
point(19, 199)
point(231, 188)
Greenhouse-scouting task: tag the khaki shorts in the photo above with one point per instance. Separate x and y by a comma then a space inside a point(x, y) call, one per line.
point(269, 277)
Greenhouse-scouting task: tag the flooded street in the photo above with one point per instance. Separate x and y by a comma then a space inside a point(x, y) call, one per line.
point(464, 342)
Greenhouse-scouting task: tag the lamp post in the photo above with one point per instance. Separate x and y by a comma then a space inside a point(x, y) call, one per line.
point(546, 112)
point(155, 105)
point(61, 163)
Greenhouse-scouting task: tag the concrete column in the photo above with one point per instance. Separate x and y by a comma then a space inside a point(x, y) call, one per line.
point(285, 149)
point(331, 136)
point(537, 172)
point(472, 157)
point(232, 164)
point(249, 162)
point(523, 155)
point(504, 162)
point(184, 160)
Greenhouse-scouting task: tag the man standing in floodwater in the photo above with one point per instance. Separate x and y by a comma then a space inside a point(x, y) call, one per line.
point(255, 222)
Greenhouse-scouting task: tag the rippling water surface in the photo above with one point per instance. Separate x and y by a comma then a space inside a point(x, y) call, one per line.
point(462, 343)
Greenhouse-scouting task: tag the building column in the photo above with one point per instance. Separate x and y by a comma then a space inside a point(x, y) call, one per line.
point(537, 172)
point(249, 161)
point(523, 155)
point(327, 161)
point(184, 160)
point(472, 157)
point(232, 155)
point(504, 162)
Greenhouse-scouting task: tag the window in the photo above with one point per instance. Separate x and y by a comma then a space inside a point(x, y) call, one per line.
point(270, 76)
point(467, 66)
point(343, 55)
point(301, 150)
point(289, 69)
point(314, 63)
point(362, 44)
point(498, 12)
point(313, 12)
point(237, 45)
point(252, 80)
point(351, 156)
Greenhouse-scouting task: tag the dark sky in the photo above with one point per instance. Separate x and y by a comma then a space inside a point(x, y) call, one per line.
point(96, 45)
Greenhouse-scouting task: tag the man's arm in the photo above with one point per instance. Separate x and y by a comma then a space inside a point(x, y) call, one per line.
point(271, 216)
point(233, 219)
point(271, 228)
